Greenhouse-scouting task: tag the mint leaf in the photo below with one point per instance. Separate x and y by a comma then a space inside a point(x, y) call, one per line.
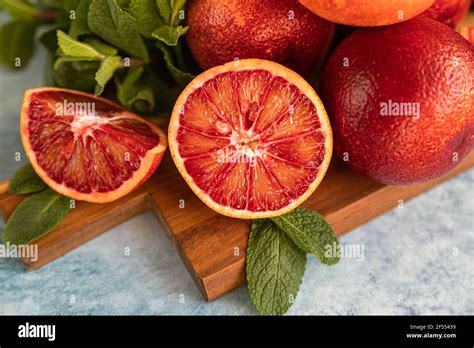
point(170, 10)
point(309, 231)
point(17, 43)
point(147, 16)
point(78, 75)
point(74, 48)
point(68, 5)
point(68, 59)
point(49, 39)
point(63, 20)
point(79, 25)
point(169, 35)
point(165, 97)
point(106, 71)
point(117, 27)
point(164, 8)
point(36, 216)
point(59, 4)
point(21, 10)
point(26, 181)
point(275, 268)
point(101, 47)
point(181, 77)
point(124, 4)
point(134, 94)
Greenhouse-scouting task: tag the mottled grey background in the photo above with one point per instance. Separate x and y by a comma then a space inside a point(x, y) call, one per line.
point(418, 259)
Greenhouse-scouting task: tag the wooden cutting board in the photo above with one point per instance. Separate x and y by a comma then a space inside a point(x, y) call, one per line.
point(213, 246)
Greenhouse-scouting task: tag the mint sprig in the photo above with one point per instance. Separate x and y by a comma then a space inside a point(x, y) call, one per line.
point(275, 268)
point(169, 34)
point(310, 232)
point(135, 93)
point(276, 257)
point(147, 15)
point(79, 25)
point(36, 216)
point(116, 26)
point(98, 41)
point(72, 50)
point(26, 181)
point(106, 71)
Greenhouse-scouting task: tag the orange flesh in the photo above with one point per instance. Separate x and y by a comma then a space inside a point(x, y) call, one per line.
point(250, 140)
point(86, 152)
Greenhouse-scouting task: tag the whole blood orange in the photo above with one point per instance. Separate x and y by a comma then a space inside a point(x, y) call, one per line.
point(401, 100)
point(449, 12)
point(251, 138)
point(279, 30)
point(367, 13)
point(86, 147)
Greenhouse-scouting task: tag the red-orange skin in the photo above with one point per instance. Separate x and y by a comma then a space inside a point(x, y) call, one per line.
point(283, 31)
point(467, 33)
point(418, 61)
point(449, 12)
point(367, 13)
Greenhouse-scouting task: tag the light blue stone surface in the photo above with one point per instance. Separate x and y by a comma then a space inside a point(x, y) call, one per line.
point(418, 259)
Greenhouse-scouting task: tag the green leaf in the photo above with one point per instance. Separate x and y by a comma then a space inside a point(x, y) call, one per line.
point(147, 16)
point(169, 35)
point(124, 4)
point(165, 97)
point(63, 21)
point(310, 231)
point(275, 268)
point(67, 59)
point(69, 5)
point(106, 71)
point(74, 48)
point(58, 4)
point(181, 77)
point(26, 181)
point(134, 94)
point(164, 8)
point(117, 27)
point(78, 75)
point(79, 24)
point(36, 216)
point(21, 10)
point(49, 39)
point(101, 47)
point(17, 43)
point(169, 10)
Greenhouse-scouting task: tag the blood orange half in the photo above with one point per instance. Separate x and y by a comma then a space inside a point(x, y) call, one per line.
point(86, 147)
point(251, 138)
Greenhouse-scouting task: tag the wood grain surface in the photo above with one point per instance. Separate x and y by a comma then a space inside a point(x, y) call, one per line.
point(213, 246)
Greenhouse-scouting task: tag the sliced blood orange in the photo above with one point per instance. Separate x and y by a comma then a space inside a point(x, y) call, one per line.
point(251, 138)
point(86, 147)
